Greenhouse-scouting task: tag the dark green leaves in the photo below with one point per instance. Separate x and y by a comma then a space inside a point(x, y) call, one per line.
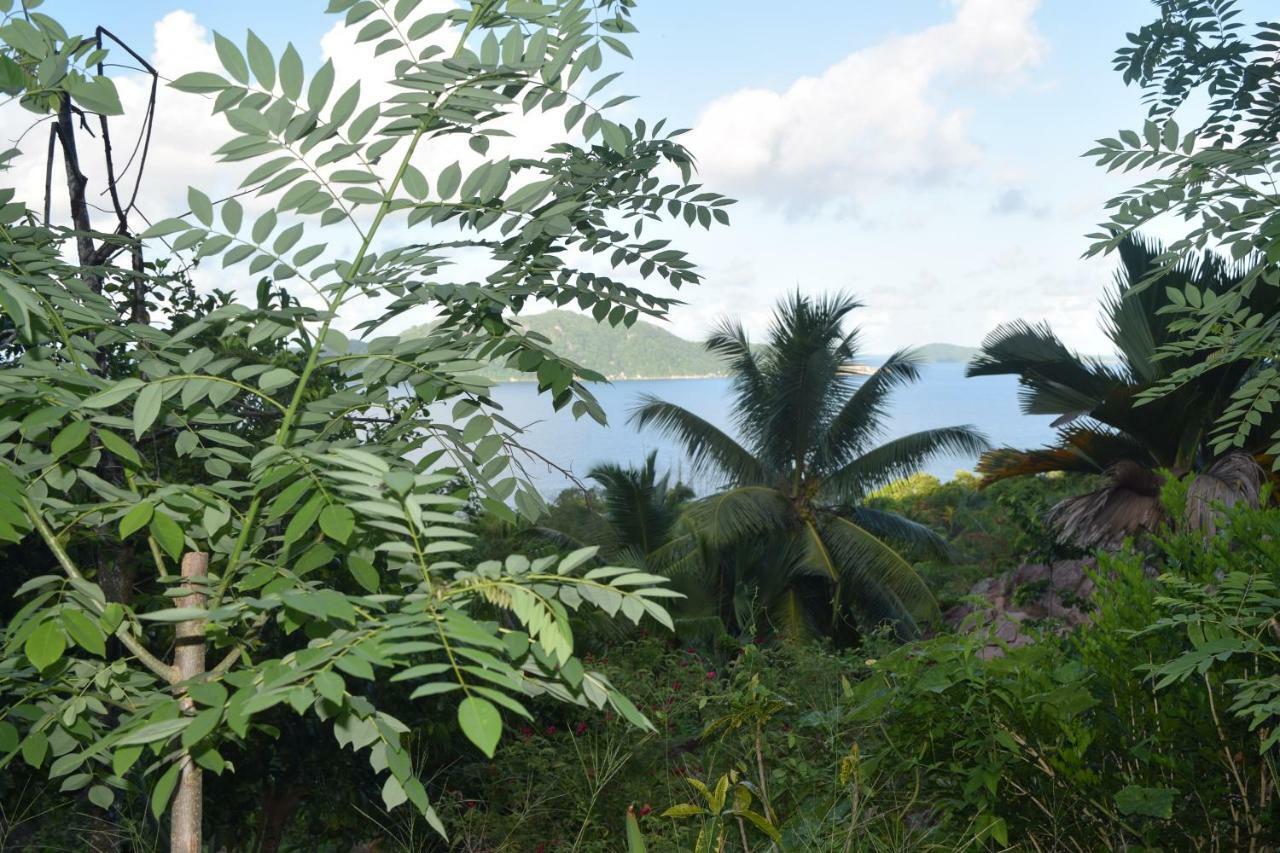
point(1149, 802)
point(481, 723)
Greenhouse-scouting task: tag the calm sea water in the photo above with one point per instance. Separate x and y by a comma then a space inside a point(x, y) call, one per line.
point(943, 397)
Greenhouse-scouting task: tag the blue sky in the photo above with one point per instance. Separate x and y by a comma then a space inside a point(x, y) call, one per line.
point(923, 154)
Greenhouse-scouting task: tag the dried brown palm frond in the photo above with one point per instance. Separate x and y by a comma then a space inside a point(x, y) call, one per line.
point(1233, 479)
point(1129, 504)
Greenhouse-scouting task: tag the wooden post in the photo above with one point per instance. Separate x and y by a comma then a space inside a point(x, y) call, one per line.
point(188, 662)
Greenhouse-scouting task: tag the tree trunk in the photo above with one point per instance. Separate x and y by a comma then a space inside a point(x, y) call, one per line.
point(188, 660)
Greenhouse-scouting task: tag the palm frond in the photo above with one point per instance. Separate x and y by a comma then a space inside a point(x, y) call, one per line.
point(1081, 449)
point(919, 540)
point(707, 446)
point(899, 458)
point(636, 504)
point(737, 515)
point(1053, 379)
point(1126, 506)
point(874, 579)
point(859, 419)
point(1233, 479)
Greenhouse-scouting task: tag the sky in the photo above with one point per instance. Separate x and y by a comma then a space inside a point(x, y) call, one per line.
point(924, 155)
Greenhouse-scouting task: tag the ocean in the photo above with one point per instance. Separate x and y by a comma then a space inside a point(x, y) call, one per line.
point(942, 397)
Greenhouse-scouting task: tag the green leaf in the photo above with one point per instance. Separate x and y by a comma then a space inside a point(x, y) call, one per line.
point(96, 94)
point(146, 408)
point(1149, 802)
point(635, 841)
point(135, 519)
point(202, 725)
point(45, 645)
point(101, 796)
point(330, 685)
point(450, 178)
point(199, 83)
point(34, 748)
point(8, 737)
point(481, 723)
point(85, 632)
point(260, 61)
point(392, 793)
point(124, 758)
point(201, 206)
point(116, 393)
point(337, 522)
point(291, 73)
point(168, 534)
point(231, 58)
point(69, 438)
point(364, 572)
point(119, 447)
point(276, 378)
point(163, 790)
point(321, 86)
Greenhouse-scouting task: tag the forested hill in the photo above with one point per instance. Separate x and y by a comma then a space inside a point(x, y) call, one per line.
point(648, 351)
point(645, 351)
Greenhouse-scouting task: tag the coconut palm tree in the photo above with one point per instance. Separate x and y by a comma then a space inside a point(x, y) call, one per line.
point(788, 535)
point(636, 513)
point(1103, 427)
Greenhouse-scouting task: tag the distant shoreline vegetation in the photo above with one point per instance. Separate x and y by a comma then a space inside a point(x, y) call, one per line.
point(648, 352)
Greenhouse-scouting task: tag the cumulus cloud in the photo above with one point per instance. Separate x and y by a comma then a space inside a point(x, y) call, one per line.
point(881, 116)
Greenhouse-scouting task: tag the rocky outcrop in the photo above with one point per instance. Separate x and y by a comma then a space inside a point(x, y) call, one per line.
point(1056, 594)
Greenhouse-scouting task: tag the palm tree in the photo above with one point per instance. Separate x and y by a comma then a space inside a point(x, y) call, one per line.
point(1102, 427)
point(636, 514)
point(787, 534)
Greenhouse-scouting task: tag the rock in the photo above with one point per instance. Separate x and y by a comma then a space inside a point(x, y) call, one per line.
point(1016, 600)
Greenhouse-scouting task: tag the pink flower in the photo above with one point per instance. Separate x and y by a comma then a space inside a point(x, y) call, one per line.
point(711, 676)
point(551, 730)
point(580, 728)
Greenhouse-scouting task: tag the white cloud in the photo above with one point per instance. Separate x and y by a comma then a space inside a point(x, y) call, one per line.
point(881, 116)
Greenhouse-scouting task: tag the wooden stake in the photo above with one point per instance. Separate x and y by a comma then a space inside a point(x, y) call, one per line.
point(188, 660)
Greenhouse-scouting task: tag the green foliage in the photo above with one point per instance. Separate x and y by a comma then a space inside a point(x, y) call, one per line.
point(317, 479)
point(1215, 178)
point(788, 543)
point(1114, 736)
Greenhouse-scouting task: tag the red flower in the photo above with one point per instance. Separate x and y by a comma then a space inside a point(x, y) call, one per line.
point(676, 685)
point(645, 809)
point(551, 730)
point(580, 728)
point(711, 675)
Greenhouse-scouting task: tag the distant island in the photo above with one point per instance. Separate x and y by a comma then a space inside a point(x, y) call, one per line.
point(946, 352)
point(648, 351)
